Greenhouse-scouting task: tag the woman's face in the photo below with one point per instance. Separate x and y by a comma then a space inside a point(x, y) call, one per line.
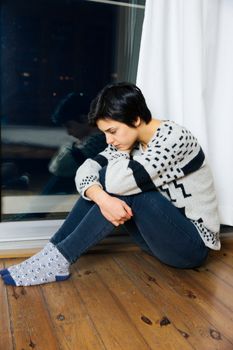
point(118, 134)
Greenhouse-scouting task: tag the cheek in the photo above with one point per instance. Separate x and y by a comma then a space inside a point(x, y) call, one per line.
point(131, 137)
point(126, 137)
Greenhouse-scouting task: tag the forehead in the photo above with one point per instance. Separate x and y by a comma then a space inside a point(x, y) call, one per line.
point(105, 124)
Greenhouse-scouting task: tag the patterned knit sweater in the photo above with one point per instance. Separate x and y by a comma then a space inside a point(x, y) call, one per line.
point(173, 164)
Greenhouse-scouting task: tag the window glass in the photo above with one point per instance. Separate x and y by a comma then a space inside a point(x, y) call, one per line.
point(53, 51)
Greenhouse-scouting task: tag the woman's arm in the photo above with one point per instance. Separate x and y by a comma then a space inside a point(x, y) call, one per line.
point(87, 174)
point(113, 209)
point(89, 186)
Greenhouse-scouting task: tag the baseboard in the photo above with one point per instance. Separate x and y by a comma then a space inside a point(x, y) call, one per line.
point(24, 238)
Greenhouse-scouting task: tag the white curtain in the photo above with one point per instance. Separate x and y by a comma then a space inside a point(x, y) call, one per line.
point(186, 74)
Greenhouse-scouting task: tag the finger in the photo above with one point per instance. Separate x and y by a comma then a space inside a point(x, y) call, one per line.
point(128, 210)
point(108, 216)
point(115, 223)
point(124, 215)
point(119, 222)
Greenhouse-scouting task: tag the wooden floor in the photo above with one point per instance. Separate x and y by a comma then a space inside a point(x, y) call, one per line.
point(121, 298)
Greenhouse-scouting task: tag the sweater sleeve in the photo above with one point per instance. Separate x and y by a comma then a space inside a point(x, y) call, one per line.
point(87, 174)
point(173, 153)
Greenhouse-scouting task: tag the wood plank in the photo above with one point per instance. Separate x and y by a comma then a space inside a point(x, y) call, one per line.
point(225, 254)
point(180, 309)
point(134, 304)
point(73, 326)
point(31, 325)
point(204, 301)
point(112, 323)
point(6, 341)
point(227, 238)
point(217, 267)
point(211, 284)
point(112, 286)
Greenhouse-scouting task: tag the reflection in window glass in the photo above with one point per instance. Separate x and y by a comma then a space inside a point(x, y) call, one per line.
point(55, 56)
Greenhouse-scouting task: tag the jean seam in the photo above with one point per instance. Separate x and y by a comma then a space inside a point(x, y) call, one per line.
point(147, 248)
point(172, 222)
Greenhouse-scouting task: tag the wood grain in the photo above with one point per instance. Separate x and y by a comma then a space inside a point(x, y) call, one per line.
point(119, 297)
point(31, 325)
point(6, 341)
point(73, 326)
point(140, 313)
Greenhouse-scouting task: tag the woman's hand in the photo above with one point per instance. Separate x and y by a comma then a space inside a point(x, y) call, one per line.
point(113, 209)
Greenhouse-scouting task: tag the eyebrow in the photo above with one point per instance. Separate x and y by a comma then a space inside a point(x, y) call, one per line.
point(112, 127)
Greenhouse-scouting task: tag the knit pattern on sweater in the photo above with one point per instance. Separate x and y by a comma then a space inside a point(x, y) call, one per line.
point(173, 164)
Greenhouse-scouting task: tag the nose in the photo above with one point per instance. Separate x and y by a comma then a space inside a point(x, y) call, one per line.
point(109, 139)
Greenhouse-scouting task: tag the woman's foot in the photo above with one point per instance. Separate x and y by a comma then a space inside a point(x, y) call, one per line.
point(49, 265)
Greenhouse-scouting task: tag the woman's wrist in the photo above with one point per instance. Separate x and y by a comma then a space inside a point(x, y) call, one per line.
point(96, 194)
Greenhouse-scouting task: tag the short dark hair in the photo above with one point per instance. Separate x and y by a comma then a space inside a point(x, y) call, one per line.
point(123, 102)
point(74, 106)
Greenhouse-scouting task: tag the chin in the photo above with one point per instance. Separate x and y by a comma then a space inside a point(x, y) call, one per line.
point(122, 148)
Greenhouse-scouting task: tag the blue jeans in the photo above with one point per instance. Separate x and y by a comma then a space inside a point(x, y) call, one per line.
point(157, 226)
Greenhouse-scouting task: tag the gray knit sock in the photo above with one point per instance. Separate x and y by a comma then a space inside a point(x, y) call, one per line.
point(48, 265)
point(31, 260)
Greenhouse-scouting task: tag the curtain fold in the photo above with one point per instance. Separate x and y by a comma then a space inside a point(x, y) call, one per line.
point(186, 74)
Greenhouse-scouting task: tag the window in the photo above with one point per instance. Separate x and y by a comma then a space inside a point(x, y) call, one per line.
point(50, 48)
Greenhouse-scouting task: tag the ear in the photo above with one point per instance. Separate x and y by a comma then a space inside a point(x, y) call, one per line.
point(137, 122)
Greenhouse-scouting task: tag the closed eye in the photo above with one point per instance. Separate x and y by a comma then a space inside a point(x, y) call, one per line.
point(111, 131)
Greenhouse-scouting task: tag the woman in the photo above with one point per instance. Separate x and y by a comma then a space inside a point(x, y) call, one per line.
point(153, 178)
